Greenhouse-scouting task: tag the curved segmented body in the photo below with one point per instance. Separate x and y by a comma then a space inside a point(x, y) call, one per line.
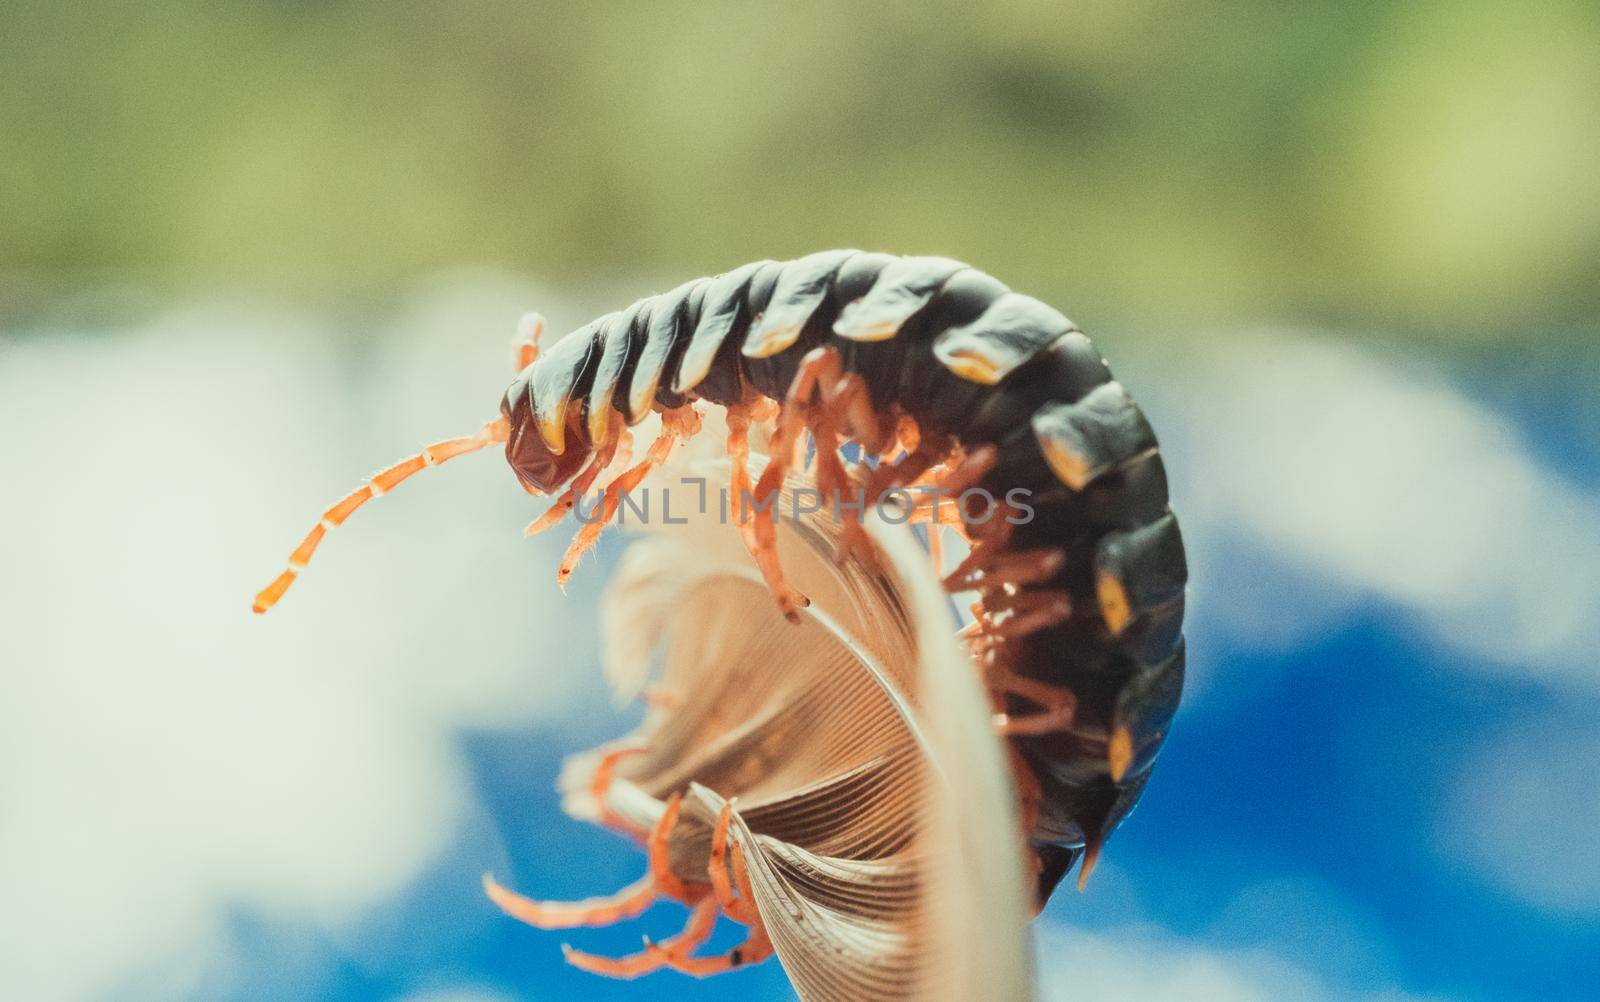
point(1081, 606)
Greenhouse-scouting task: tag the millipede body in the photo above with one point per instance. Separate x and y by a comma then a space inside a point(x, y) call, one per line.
point(973, 364)
point(939, 376)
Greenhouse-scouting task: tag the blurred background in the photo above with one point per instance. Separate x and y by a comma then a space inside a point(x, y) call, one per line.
point(1345, 254)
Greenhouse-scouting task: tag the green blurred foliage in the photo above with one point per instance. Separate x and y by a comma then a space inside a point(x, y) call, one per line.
point(1424, 166)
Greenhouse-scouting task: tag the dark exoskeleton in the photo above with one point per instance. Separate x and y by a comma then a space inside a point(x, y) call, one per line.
point(974, 365)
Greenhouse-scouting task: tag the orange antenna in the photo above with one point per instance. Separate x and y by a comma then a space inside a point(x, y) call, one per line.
point(380, 483)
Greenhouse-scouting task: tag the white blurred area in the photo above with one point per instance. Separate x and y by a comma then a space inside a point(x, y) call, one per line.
point(456, 995)
point(1524, 811)
point(165, 755)
point(1370, 476)
point(1142, 964)
point(1289, 938)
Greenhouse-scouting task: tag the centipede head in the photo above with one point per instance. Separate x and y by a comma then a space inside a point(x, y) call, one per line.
point(540, 469)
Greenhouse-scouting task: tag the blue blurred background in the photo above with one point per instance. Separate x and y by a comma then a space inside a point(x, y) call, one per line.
point(1345, 254)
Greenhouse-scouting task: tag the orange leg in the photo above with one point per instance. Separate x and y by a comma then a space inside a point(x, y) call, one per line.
point(763, 409)
point(918, 472)
point(988, 568)
point(989, 547)
point(607, 510)
point(739, 468)
point(1057, 706)
point(526, 343)
point(763, 544)
point(986, 647)
point(846, 406)
point(826, 466)
point(837, 486)
point(844, 396)
point(847, 398)
point(968, 470)
point(381, 483)
point(614, 454)
point(675, 952)
point(757, 946)
point(973, 568)
point(821, 374)
point(762, 550)
point(739, 459)
point(910, 472)
point(675, 427)
point(913, 471)
point(664, 883)
point(669, 883)
point(760, 530)
point(627, 903)
point(935, 511)
point(1009, 615)
point(600, 784)
point(971, 631)
point(740, 909)
point(702, 920)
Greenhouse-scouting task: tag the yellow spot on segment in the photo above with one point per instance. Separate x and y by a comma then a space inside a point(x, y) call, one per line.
point(1113, 602)
point(1120, 753)
point(883, 330)
point(641, 396)
point(600, 420)
point(1091, 856)
point(553, 429)
point(972, 366)
point(1069, 467)
point(694, 368)
point(771, 340)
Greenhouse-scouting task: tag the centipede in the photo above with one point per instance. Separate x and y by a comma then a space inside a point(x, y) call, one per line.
point(873, 373)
